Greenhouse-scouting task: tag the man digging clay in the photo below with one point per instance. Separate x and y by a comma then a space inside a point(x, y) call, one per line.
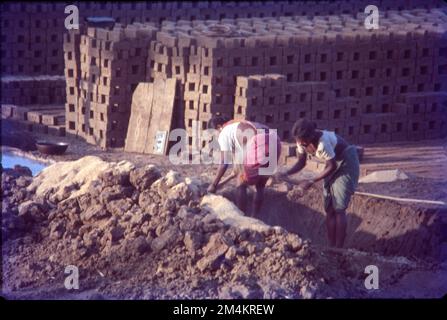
point(251, 148)
point(340, 175)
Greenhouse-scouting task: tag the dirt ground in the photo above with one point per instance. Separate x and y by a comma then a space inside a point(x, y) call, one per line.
point(407, 242)
point(423, 161)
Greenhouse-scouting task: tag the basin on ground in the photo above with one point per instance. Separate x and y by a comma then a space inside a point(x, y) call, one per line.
point(51, 147)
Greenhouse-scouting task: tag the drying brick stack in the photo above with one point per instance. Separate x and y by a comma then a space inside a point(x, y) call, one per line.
point(31, 33)
point(102, 77)
point(72, 70)
point(31, 36)
point(271, 100)
point(31, 90)
point(369, 85)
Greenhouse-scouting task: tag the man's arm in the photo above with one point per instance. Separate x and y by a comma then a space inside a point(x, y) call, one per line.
point(329, 168)
point(299, 165)
point(220, 172)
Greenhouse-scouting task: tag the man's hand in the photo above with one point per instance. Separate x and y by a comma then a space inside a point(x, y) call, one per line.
point(212, 188)
point(280, 176)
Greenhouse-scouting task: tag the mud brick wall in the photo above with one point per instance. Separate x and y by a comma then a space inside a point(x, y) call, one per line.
point(32, 90)
point(384, 86)
point(32, 33)
point(354, 81)
point(104, 69)
point(72, 70)
point(272, 100)
point(31, 37)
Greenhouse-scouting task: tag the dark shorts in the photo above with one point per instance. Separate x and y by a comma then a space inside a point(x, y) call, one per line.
point(340, 186)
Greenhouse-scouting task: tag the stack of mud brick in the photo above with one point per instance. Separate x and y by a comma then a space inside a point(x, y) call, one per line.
point(31, 36)
point(214, 65)
point(368, 86)
point(191, 90)
point(35, 102)
point(221, 61)
point(272, 100)
point(72, 70)
point(32, 90)
point(405, 82)
point(169, 57)
point(336, 72)
point(33, 31)
point(110, 66)
point(261, 98)
point(37, 118)
point(425, 105)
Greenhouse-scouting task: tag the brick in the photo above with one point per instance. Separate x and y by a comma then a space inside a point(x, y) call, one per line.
point(307, 72)
point(337, 126)
point(351, 132)
point(416, 129)
point(58, 131)
point(320, 112)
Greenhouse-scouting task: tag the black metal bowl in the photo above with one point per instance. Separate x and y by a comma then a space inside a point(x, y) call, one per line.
point(51, 147)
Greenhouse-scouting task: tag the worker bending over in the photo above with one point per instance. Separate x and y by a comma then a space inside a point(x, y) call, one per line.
point(253, 149)
point(340, 175)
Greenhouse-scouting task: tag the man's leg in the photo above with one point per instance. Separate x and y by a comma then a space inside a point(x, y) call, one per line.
point(331, 224)
point(259, 197)
point(340, 228)
point(242, 197)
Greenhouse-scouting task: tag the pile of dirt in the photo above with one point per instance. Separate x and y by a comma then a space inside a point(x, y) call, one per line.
point(139, 234)
point(70, 179)
point(139, 215)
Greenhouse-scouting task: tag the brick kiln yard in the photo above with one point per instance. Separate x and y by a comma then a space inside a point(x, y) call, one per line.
point(405, 241)
point(138, 227)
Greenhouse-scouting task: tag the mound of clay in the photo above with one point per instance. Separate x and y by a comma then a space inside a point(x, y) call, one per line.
point(116, 215)
point(64, 180)
point(137, 234)
point(384, 176)
point(229, 213)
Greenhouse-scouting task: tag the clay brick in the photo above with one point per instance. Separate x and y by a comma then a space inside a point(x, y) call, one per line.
point(58, 131)
point(287, 114)
point(416, 128)
point(351, 132)
point(322, 96)
point(307, 72)
point(320, 112)
point(337, 112)
point(337, 126)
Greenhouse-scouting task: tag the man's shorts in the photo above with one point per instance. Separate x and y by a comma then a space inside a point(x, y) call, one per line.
point(257, 164)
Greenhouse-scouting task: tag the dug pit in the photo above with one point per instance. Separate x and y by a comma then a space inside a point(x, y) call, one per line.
point(374, 225)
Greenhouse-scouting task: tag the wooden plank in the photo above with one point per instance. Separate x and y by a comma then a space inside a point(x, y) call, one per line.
point(139, 117)
point(162, 112)
point(151, 113)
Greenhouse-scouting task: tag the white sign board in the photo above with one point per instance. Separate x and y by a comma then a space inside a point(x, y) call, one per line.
point(160, 142)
